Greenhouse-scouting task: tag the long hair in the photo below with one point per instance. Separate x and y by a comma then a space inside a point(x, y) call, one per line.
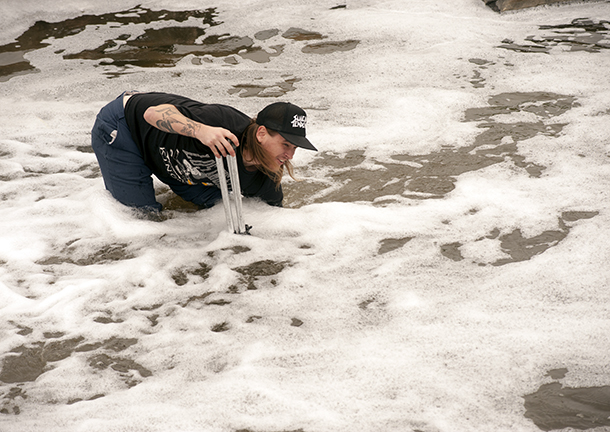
point(265, 163)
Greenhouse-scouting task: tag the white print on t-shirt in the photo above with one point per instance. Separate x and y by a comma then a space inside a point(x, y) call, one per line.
point(190, 168)
point(299, 121)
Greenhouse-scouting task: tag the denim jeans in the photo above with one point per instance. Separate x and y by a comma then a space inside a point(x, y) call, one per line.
point(125, 174)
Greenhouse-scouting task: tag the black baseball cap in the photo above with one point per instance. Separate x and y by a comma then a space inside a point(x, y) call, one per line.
point(288, 120)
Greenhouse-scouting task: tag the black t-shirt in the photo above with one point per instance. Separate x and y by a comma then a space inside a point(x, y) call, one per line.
point(186, 159)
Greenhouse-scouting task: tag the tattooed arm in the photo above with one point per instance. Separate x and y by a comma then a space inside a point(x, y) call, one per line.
point(167, 118)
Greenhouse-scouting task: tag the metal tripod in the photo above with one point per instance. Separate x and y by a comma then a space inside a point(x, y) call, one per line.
point(231, 200)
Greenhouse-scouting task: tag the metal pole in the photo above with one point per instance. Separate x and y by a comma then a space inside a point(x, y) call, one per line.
point(231, 200)
point(236, 192)
point(226, 200)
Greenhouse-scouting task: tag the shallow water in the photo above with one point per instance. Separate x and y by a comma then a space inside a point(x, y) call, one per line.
point(158, 47)
point(26, 363)
point(521, 248)
point(582, 34)
point(433, 176)
point(554, 406)
point(12, 62)
point(345, 312)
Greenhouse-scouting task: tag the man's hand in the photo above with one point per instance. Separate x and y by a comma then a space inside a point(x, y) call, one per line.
point(167, 118)
point(218, 139)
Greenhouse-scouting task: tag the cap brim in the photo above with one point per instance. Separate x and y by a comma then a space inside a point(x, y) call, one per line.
point(298, 141)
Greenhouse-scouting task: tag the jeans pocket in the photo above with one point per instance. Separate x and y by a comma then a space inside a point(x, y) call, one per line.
point(103, 132)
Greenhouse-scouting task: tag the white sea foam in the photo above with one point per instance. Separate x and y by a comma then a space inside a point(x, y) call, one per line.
point(342, 337)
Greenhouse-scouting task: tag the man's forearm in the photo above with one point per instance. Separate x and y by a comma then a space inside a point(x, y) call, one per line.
point(167, 118)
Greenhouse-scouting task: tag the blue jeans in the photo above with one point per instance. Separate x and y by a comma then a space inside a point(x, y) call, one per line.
point(125, 174)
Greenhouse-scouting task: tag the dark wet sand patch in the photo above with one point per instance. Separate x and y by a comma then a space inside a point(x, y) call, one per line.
point(12, 62)
point(23, 330)
point(266, 34)
point(390, 244)
point(543, 104)
point(513, 5)
point(295, 322)
point(227, 251)
point(148, 50)
point(582, 34)
point(573, 216)
point(196, 299)
point(150, 312)
point(26, 363)
point(115, 344)
point(9, 404)
point(553, 406)
point(260, 269)
point(299, 34)
point(218, 302)
point(344, 178)
point(477, 80)
point(259, 55)
point(221, 327)
point(330, 47)
point(94, 397)
point(371, 303)
point(274, 90)
point(452, 251)
point(107, 320)
point(122, 365)
point(106, 254)
point(238, 249)
point(558, 373)
point(215, 45)
point(181, 276)
point(521, 248)
point(156, 47)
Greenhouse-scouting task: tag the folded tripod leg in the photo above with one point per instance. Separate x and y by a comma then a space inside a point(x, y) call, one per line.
point(231, 200)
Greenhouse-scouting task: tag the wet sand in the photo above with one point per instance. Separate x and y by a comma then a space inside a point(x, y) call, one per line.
point(554, 406)
point(26, 363)
point(162, 47)
point(330, 178)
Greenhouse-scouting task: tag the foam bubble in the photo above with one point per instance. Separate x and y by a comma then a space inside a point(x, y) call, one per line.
point(433, 301)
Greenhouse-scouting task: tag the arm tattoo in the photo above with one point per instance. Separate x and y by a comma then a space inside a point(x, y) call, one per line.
point(170, 122)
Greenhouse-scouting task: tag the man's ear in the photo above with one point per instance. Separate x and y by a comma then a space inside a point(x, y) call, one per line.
point(260, 133)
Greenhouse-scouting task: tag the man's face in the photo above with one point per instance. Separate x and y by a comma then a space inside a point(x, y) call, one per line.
point(276, 145)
